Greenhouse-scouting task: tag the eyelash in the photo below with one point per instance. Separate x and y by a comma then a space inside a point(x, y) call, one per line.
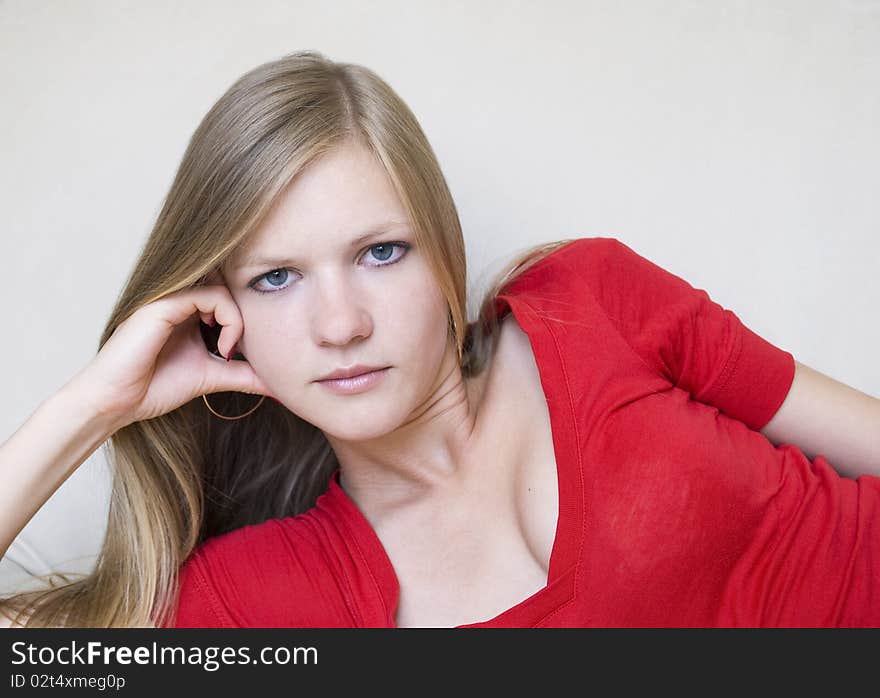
point(403, 245)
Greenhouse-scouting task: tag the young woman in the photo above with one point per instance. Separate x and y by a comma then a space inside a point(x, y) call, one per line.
point(604, 445)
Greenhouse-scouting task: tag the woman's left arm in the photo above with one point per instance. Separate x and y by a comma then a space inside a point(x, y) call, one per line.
point(822, 416)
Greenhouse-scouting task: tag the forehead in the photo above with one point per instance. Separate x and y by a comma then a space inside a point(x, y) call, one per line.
point(338, 199)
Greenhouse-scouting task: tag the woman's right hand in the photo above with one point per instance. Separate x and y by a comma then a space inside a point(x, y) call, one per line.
point(156, 360)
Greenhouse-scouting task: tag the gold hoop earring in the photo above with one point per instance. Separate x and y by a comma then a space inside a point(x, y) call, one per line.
point(223, 416)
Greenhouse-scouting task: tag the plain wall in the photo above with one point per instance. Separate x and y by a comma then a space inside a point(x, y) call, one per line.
point(733, 143)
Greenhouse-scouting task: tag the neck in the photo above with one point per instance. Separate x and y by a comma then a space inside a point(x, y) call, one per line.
point(430, 453)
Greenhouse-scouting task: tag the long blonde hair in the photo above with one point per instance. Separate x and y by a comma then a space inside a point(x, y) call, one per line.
point(186, 476)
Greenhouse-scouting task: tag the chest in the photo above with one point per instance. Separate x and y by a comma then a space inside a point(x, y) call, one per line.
point(488, 551)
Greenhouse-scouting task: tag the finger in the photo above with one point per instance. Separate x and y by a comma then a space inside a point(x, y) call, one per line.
point(214, 301)
point(234, 376)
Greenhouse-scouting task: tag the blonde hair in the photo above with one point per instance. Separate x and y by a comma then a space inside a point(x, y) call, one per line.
point(184, 476)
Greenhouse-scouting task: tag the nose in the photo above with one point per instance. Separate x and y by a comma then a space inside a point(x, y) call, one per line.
point(339, 313)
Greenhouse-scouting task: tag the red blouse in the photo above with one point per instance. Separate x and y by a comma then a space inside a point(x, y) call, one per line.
point(673, 509)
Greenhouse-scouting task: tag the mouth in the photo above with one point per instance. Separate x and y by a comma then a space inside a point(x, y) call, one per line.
point(358, 383)
point(350, 372)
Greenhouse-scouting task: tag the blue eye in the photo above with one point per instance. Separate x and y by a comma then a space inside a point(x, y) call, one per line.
point(382, 251)
point(275, 278)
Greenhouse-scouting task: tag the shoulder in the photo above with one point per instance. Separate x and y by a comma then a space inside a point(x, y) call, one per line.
point(575, 262)
point(588, 254)
point(216, 581)
point(597, 248)
point(515, 358)
point(279, 573)
point(619, 278)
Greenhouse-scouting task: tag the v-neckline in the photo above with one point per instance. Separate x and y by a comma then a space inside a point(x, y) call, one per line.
point(560, 584)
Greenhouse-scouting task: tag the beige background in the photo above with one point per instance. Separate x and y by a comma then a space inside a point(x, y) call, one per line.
point(735, 143)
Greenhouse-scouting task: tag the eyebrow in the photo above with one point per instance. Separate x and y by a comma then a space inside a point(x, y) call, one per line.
point(373, 231)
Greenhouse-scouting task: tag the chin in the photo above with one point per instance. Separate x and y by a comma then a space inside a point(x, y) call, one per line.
point(367, 421)
point(360, 432)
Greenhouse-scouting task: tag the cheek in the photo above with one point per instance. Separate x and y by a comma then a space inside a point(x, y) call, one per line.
point(419, 313)
point(269, 343)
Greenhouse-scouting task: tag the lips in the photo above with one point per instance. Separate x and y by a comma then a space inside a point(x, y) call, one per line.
point(350, 372)
point(355, 385)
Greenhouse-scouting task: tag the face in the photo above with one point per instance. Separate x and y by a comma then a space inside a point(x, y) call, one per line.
point(316, 296)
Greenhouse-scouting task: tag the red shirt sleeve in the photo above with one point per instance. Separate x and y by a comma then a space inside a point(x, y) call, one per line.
point(680, 332)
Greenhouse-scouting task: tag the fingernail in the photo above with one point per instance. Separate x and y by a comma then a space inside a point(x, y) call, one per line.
point(232, 351)
point(212, 322)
